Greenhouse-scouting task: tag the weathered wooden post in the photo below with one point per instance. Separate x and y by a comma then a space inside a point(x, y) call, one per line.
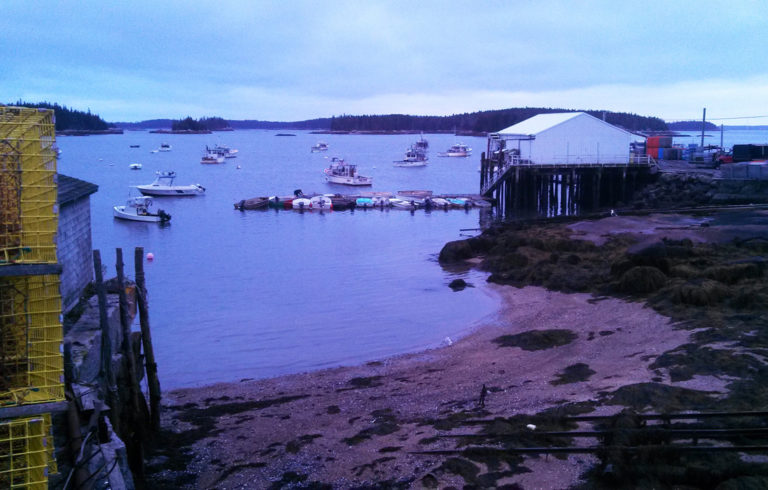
point(146, 337)
point(106, 375)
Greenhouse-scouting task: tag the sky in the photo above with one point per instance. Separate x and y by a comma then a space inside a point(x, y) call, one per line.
point(293, 60)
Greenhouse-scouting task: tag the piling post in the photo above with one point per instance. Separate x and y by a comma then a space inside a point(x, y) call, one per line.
point(146, 337)
point(106, 375)
point(136, 429)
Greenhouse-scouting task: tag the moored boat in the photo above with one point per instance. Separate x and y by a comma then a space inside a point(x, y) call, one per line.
point(301, 203)
point(364, 202)
point(252, 203)
point(135, 166)
point(457, 150)
point(320, 146)
point(340, 202)
point(211, 156)
point(164, 147)
point(341, 172)
point(321, 203)
point(163, 186)
point(138, 209)
point(414, 196)
point(224, 151)
point(437, 203)
point(413, 158)
point(278, 202)
point(405, 204)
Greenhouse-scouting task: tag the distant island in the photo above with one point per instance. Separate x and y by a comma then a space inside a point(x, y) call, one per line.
point(475, 123)
point(691, 126)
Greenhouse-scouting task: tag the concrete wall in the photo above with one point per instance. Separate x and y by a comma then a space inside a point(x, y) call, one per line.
point(583, 139)
point(74, 250)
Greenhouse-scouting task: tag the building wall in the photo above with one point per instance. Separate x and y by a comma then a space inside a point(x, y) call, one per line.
point(74, 250)
point(583, 139)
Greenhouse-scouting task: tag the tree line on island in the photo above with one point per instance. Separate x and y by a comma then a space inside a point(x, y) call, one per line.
point(474, 122)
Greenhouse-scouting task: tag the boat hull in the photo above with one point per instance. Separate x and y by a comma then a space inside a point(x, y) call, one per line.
point(252, 203)
point(356, 180)
point(165, 191)
point(127, 213)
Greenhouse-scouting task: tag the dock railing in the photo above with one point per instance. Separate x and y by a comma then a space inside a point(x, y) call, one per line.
point(501, 162)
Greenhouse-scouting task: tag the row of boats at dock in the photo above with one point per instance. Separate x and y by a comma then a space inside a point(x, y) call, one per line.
point(409, 200)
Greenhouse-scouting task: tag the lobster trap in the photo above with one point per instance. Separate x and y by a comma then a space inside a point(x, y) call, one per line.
point(28, 209)
point(26, 453)
point(31, 363)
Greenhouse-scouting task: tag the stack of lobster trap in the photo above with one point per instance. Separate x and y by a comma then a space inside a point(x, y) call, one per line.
point(31, 361)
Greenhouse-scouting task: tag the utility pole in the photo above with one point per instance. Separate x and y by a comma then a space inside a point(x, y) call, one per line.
point(703, 123)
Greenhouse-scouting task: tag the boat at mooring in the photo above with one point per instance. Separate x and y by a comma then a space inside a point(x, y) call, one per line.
point(457, 150)
point(341, 172)
point(138, 209)
point(163, 186)
point(320, 146)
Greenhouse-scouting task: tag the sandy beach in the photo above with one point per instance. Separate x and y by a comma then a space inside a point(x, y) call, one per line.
point(366, 426)
point(309, 424)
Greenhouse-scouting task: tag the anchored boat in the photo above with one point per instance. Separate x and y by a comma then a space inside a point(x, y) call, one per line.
point(163, 186)
point(457, 150)
point(137, 209)
point(341, 172)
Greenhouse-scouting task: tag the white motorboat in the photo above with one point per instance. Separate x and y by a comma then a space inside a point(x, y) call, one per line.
point(320, 146)
point(225, 151)
point(163, 186)
point(137, 209)
point(320, 202)
point(340, 172)
point(211, 156)
point(135, 166)
point(403, 204)
point(301, 203)
point(414, 157)
point(437, 203)
point(164, 147)
point(457, 150)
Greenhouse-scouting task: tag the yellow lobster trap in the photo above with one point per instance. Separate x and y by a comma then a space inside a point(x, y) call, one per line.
point(28, 209)
point(26, 453)
point(31, 362)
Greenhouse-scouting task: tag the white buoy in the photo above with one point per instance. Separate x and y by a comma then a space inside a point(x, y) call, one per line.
point(150, 256)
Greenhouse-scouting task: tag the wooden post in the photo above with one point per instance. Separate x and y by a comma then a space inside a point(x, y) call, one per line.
point(146, 338)
point(126, 328)
point(106, 375)
point(137, 428)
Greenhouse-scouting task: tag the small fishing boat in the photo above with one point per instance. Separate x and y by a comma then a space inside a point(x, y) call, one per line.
point(364, 202)
point(278, 202)
point(341, 172)
point(135, 166)
point(457, 150)
point(164, 147)
point(320, 146)
point(224, 151)
point(135, 146)
point(252, 203)
point(340, 202)
point(321, 203)
point(437, 203)
point(301, 203)
point(458, 202)
point(413, 158)
point(163, 186)
point(137, 209)
point(403, 204)
point(211, 156)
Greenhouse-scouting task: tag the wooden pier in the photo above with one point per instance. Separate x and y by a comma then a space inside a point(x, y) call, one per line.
point(518, 185)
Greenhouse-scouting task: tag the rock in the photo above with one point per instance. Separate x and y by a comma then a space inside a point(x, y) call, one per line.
point(455, 251)
point(642, 279)
point(459, 284)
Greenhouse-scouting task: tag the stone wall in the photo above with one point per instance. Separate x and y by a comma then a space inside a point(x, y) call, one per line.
point(74, 250)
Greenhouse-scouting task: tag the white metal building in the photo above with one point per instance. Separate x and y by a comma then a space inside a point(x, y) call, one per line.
point(568, 137)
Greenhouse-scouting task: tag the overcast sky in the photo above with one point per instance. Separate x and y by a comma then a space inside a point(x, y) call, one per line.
point(292, 60)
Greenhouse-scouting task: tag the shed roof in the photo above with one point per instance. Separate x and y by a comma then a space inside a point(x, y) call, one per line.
point(71, 189)
point(539, 123)
point(542, 122)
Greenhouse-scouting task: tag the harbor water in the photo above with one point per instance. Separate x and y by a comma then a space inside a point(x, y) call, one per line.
point(253, 294)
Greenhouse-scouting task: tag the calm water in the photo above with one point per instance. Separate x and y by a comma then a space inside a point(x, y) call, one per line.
point(256, 294)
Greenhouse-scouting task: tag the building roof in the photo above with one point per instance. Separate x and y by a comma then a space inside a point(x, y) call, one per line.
point(540, 122)
point(71, 189)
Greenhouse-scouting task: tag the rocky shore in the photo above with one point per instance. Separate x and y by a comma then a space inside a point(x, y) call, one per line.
point(663, 312)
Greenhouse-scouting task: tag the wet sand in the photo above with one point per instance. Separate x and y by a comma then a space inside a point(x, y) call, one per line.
point(358, 425)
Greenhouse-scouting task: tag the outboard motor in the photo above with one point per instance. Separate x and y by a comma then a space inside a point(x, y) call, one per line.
point(163, 215)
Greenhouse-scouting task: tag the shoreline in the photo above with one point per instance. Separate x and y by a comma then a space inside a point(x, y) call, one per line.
point(379, 412)
point(665, 321)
